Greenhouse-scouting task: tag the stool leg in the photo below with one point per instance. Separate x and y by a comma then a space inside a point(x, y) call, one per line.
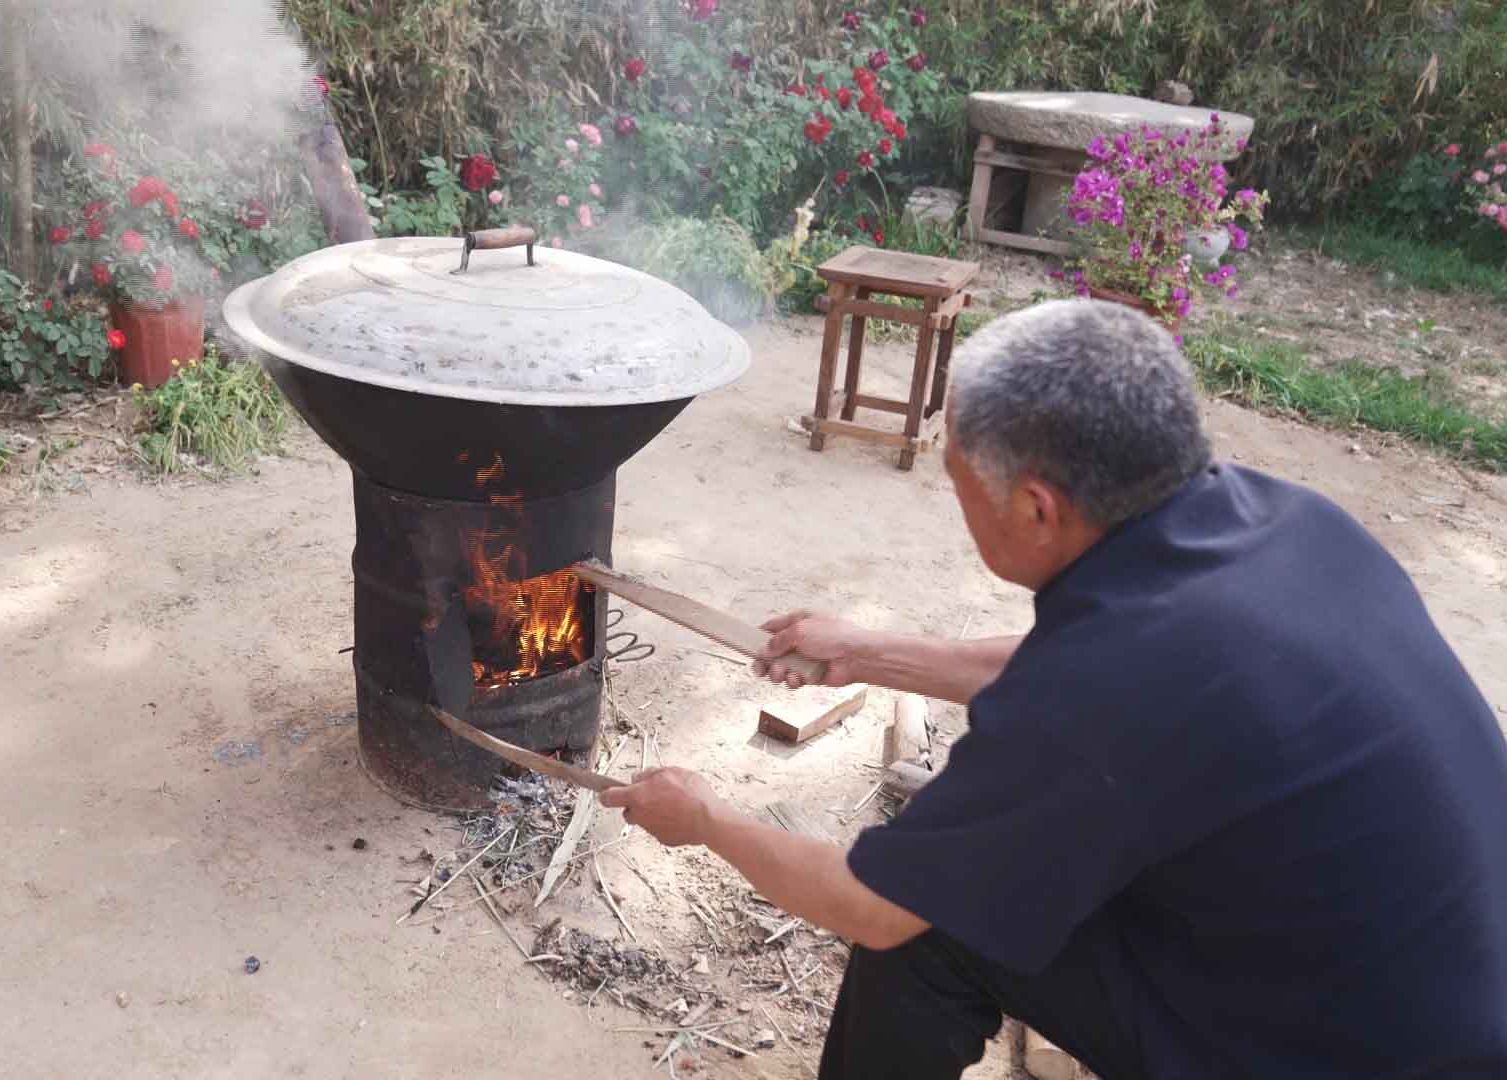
point(978, 191)
point(831, 338)
point(855, 359)
point(939, 376)
point(917, 403)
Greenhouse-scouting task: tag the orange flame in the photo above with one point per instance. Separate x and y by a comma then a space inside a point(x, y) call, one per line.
point(537, 625)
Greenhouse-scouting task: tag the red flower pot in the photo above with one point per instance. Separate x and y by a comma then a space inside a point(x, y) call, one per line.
point(1170, 319)
point(156, 335)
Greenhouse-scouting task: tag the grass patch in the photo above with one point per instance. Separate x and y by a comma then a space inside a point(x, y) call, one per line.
point(214, 410)
point(1439, 267)
point(1272, 375)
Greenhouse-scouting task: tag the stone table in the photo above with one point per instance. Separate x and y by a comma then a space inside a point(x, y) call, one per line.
point(1042, 138)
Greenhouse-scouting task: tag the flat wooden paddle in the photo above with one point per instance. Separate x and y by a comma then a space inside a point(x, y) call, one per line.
point(721, 627)
point(527, 758)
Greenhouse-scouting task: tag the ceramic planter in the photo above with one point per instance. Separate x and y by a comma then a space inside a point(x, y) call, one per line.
point(1207, 248)
point(156, 335)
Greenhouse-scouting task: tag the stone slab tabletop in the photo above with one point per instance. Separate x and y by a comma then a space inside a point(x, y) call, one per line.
point(1070, 121)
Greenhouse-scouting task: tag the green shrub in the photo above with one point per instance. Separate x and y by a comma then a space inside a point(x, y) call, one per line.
point(47, 341)
point(224, 412)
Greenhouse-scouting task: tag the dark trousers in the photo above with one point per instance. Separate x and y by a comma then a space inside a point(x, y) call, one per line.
point(923, 1011)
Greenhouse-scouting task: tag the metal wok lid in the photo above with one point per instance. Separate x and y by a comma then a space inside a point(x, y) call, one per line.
point(567, 330)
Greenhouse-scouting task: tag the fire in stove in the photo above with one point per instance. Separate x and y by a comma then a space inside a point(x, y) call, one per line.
point(521, 627)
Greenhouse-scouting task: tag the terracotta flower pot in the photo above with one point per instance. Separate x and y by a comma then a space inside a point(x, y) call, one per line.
point(156, 335)
point(1170, 319)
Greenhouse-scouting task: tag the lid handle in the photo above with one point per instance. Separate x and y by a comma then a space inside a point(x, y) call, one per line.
point(493, 239)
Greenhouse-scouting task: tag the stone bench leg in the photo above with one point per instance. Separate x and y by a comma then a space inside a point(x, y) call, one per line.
point(978, 191)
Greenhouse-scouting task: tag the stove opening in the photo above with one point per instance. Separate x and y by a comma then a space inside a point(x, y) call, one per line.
point(524, 629)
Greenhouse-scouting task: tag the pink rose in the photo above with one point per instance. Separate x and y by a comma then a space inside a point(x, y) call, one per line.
point(1479, 176)
point(591, 133)
point(573, 146)
point(1452, 150)
point(1498, 169)
point(555, 241)
point(562, 200)
point(596, 191)
point(495, 198)
point(583, 215)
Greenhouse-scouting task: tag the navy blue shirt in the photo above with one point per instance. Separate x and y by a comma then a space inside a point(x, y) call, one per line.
point(1235, 733)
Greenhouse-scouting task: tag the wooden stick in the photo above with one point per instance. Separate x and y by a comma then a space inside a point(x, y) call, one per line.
point(607, 895)
point(500, 889)
point(786, 1040)
point(721, 627)
point(497, 916)
point(527, 758)
point(579, 821)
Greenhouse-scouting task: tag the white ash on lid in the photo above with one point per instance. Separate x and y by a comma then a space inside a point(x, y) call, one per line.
point(570, 330)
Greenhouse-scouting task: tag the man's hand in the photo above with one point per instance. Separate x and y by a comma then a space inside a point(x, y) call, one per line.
point(675, 806)
point(835, 642)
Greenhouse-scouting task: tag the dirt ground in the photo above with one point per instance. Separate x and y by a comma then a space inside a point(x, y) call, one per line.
point(183, 793)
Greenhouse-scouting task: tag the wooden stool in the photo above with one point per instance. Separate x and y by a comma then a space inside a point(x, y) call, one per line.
point(853, 278)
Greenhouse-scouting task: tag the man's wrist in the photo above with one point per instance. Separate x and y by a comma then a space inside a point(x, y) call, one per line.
point(716, 818)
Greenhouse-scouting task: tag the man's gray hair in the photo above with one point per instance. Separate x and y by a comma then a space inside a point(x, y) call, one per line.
point(1090, 397)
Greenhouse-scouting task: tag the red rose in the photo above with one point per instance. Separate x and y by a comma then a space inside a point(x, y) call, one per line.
point(99, 208)
point(46, 305)
point(885, 118)
point(634, 69)
point(865, 79)
point(823, 93)
point(818, 128)
point(625, 125)
point(917, 62)
point(189, 228)
point(844, 98)
point(102, 275)
point(886, 147)
point(741, 62)
point(254, 214)
point(851, 20)
point(899, 130)
point(170, 204)
point(878, 59)
point(322, 85)
point(116, 338)
point(797, 89)
point(99, 149)
point(864, 224)
point(701, 10)
point(879, 237)
point(132, 242)
point(95, 230)
point(146, 190)
point(865, 160)
point(162, 280)
point(61, 235)
point(918, 17)
point(477, 172)
point(841, 178)
point(870, 105)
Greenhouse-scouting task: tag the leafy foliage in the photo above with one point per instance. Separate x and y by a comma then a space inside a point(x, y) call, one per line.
point(221, 411)
point(46, 340)
point(715, 260)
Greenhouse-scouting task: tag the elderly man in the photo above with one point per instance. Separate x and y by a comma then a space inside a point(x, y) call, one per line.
point(1231, 808)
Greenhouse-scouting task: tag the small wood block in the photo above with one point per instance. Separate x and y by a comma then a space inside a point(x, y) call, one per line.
point(793, 819)
point(798, 722)
point(907, 738)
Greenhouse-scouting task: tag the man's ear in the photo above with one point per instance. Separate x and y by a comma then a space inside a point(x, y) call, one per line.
point(1039, 508)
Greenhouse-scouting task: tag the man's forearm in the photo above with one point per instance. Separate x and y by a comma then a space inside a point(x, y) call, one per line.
point(935, 667)
point(809, 878)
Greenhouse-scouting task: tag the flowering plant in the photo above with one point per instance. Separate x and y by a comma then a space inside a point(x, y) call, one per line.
point(753, 134)
point(1487, 183)
point(1140, 202)
point(563, 173)
point(134, 234)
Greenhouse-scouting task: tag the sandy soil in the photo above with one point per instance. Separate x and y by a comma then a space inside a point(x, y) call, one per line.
point(182, 790)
